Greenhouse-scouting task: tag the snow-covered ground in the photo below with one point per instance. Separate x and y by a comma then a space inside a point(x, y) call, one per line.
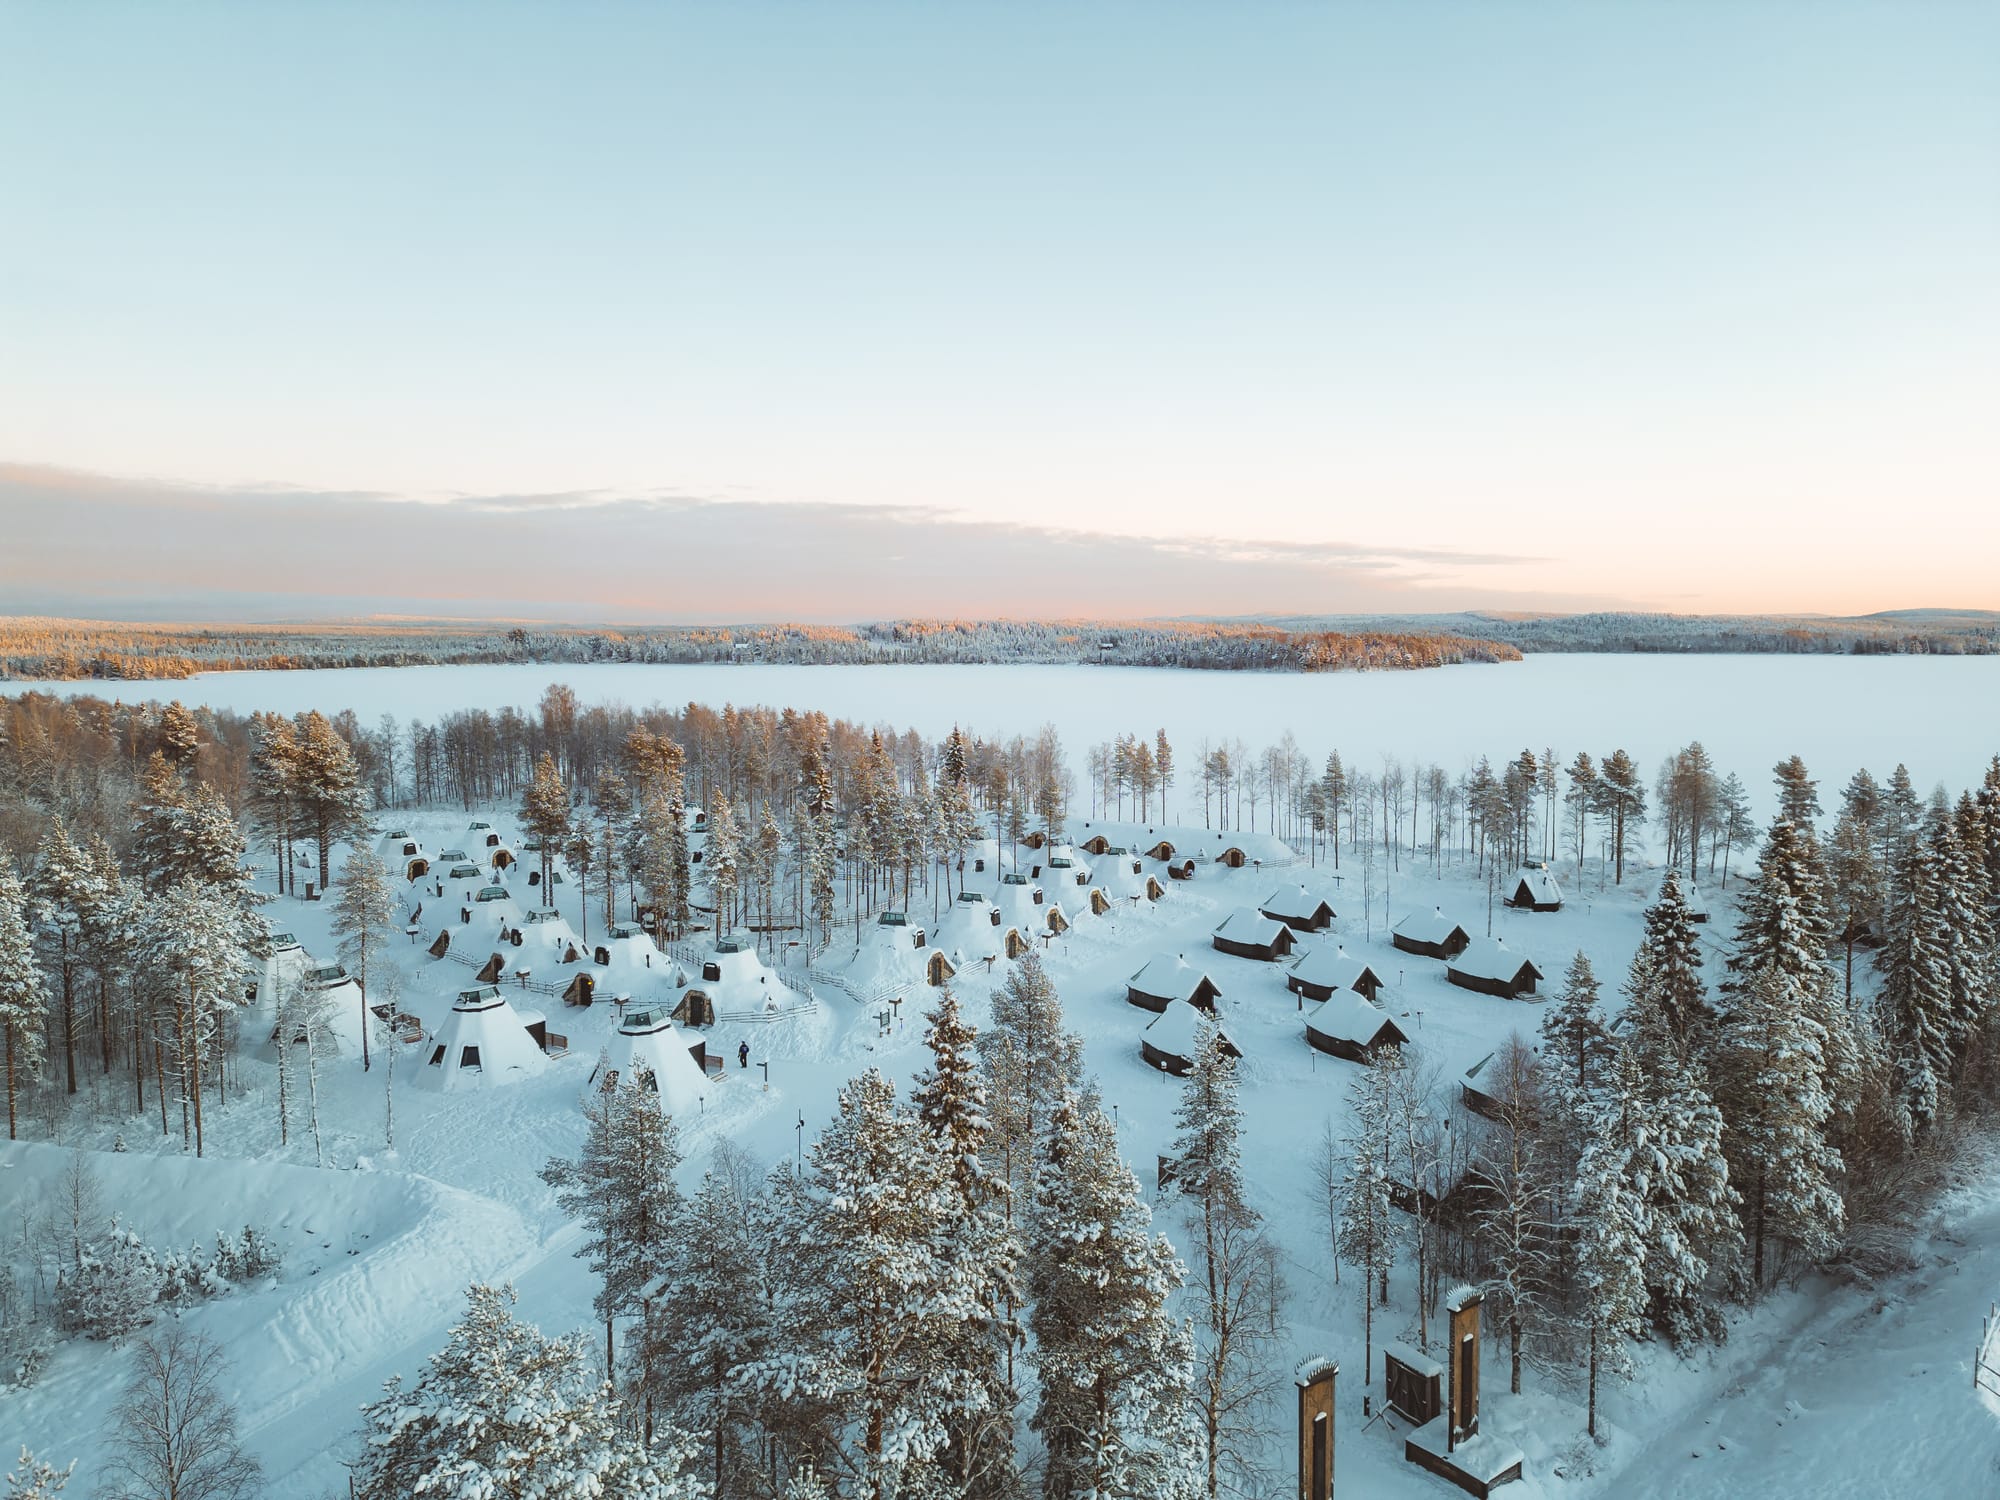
point(1824, 1391)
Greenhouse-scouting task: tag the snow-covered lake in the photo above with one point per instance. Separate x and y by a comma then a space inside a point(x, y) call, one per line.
point(1938, 715)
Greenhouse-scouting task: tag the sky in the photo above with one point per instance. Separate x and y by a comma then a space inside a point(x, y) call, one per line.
point(838, 311)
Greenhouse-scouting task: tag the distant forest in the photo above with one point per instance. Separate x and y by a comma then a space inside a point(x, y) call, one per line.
point(72, 649)
point(1918, 632)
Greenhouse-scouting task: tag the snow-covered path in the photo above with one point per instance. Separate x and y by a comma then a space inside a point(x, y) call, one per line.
point(1871, 1396)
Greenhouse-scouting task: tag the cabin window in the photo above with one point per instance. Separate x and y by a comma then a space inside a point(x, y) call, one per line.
point(437, 1056)
point(468, 1057)
point(996, 918)
point(978, 864)
point(712, 973)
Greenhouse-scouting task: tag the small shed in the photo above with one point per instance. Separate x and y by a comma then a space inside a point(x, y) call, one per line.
point(1412, 1383)
point(1251, 934)
point(1489, 966)
point(1180, 867)
point(1430, 934)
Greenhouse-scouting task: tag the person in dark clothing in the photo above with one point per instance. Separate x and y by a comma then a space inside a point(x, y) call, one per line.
point(742, 1054)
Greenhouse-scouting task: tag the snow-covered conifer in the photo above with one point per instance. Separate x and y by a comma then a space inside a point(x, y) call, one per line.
point(23, 1005)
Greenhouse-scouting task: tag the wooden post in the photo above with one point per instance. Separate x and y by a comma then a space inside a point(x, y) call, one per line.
point(1316, 1379)
point(1462, 1367)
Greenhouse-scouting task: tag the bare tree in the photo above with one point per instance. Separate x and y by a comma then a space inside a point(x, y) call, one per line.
point(176, 1435)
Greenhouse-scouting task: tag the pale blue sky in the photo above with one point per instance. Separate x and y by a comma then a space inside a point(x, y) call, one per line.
point(1515, 280)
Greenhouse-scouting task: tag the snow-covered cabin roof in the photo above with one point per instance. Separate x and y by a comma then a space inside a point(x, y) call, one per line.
point(467, 872)
point(483, 1043)
point(887, 953)
point(630, 951)
point(1431, 926)
point(1490, 958)
point(1540, 883)
point(1246, 926)
point(648, 1046)
point(1334, 968)
point(545, 926)
point(453, 855)
point(1022, 903)
point(398, 844)
point(1410, 1359)
point(1176, 1030)
point(970, 929)
point(1346, 1017)
point(1112, 870)
point(1296, 901)
point(1169, 976)
point(734, 977)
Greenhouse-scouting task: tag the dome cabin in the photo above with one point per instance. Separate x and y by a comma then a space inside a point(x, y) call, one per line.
point(1180, 867)
point(733, 978)
point(1027, 907)
point(1348, 1027)
point(628, 950)
point(1065, 868)
point(970, 932)
point(1172, 1041)
point(480, 835)
point(483, 1043)
point(399, 851)
point(1321, 973)
point(1535, 888)
point(648, 1048)
point(1430, 934)
point(493, 906)
point(892, 958)
point(1299, 909)
point(1168, 977)
point(544, 929)
point(1490, 967)
point(1251, 934)
point(1120, 874)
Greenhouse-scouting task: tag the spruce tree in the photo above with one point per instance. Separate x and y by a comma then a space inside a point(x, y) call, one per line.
point(545, 814)
point(331, 798)
point(1115, 1409)
point(622, 1187)
point(1667, 969)
point(23, 1005)
point(364, 921)
point(503, 1410)
point(1611, 1218)
point(1367, 1239)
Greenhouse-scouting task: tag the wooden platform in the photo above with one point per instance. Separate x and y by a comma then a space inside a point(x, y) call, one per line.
point(1477, 1465)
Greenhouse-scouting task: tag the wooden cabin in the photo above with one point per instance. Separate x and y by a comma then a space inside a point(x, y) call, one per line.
point(1233, 857)
point(1430, 934)
point(1535, 889)
point(937, 968)
point(1164, 849)
point(1412, 1383)
point(1319, 973)
point(1180, 867)
point(1299, 909)
point(1473, 1094)
point(1490, 967)
point(1348, 1027)
point(1173, 1041)
point(1097, 843)
point(1251, 934)
point(1167, 977)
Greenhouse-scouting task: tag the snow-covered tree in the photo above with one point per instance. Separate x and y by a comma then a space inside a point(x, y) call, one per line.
point(502, 1410)
point(34, 1478)
point(1233, 1282)
point(364, 920)
point(622, 1186)
point(62, 889)
point(332, 801)
point(1666, 970)
point(1610, 1215)
point(1516, 1219)
point(724, 860)
point(1116, 1414)
point(1621, 799)
point(1367, 1239)
point(1030, 1058)
point(545, 813)
point(23, 1005)
point(194, 938)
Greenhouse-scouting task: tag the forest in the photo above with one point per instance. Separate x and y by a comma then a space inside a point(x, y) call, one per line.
point(959, 1289)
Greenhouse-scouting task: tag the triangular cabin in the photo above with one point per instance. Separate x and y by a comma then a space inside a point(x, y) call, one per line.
point(1492, 968)
point(1172, 1041)
point(1121, 875)
point(480, 835)
point(483, 1043)
point(1065, 868)
point(629, 949)
point(1167, 977)
point(283, 965)
point(545, 928)
point(1251, 934)
point(1430, 934)
point(734, 979)
point(399, 851)
point(1319, 973)
point(1299, 909)
point(647, 1047)
point(891, 957)
point(1348, 1027)
point(1535, 888)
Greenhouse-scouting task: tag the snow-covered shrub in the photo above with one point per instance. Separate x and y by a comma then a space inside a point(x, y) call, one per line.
point(245, 1257)
point(189, 1277)
point(113, 1291)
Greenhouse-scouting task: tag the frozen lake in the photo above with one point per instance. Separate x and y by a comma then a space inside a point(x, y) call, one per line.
point(1938, 715)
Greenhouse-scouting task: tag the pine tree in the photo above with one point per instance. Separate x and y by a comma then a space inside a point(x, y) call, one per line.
point(949, 1098)
point(1798, 794)
point(195, 938)
point(1233, 1267)
point(331, 798)
point(1115, 1407)
point(1611, 1218)
point(61, 891)
point(871, 1297)
point(364, 919)
point(274, 790)
point(501, 1410)
point(622, 1187)
point(1367, 1228)
point(1030, 1060)
point(545, 813)
point(23, 1005)
point(1771, 1061)
point(724, 859)
point(1622, 800)
point(1667, 970)
point(36, 1479)
point(1516, 1220)
point(685, 1367)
